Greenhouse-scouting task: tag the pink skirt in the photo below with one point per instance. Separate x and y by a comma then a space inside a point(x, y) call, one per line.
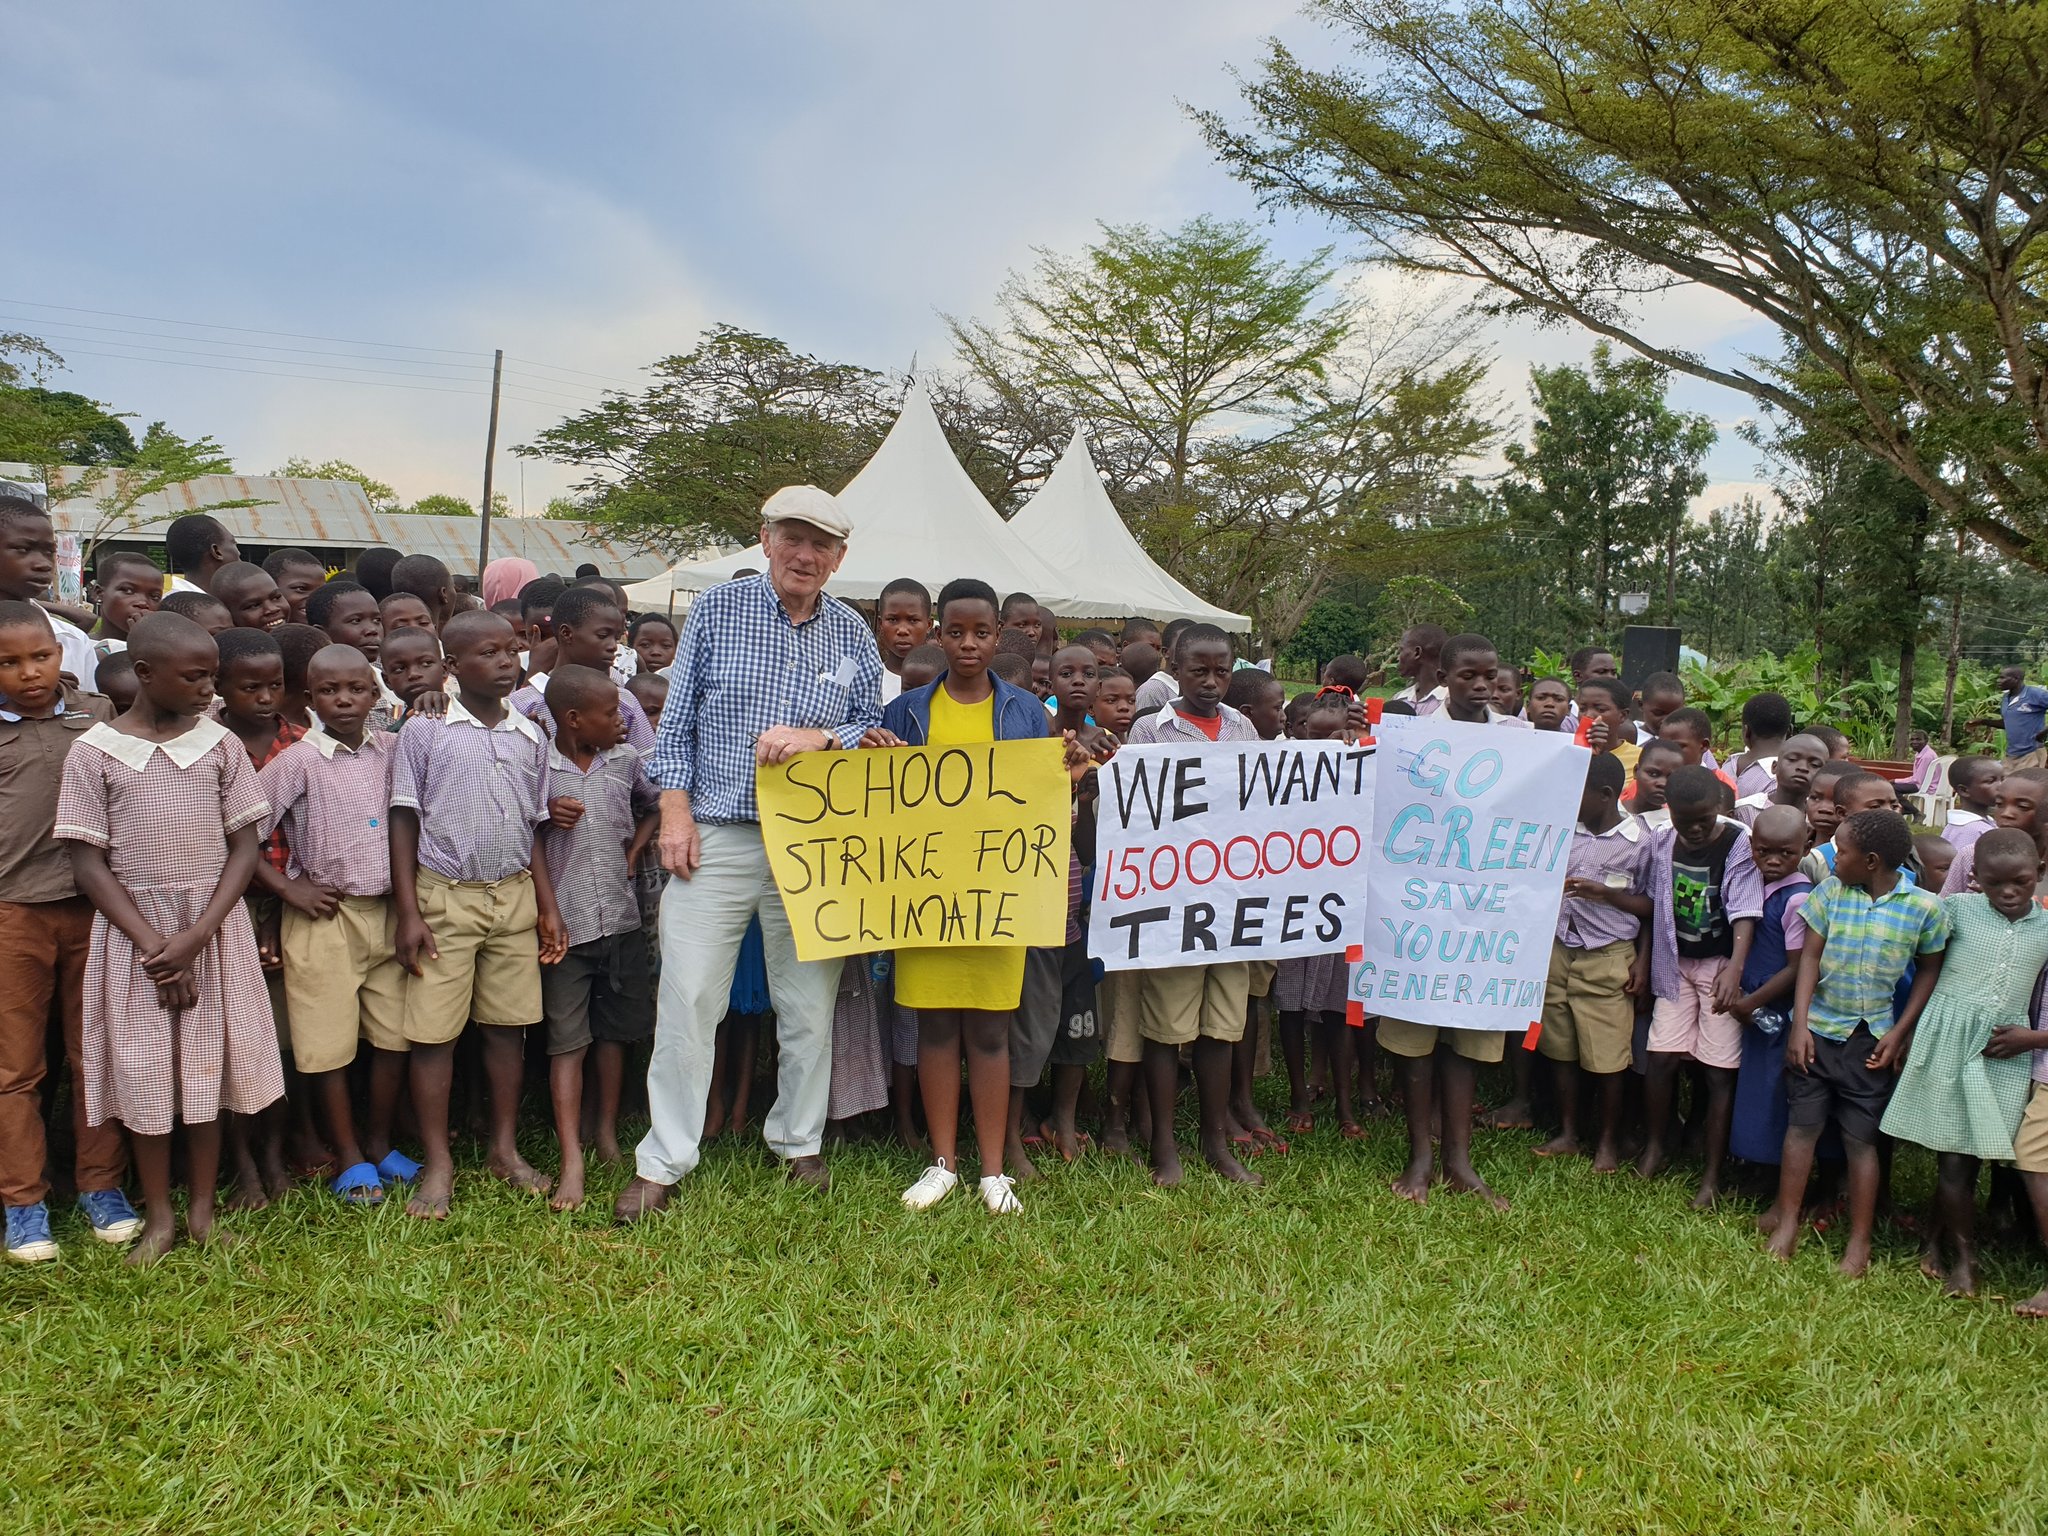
point(148, 1068)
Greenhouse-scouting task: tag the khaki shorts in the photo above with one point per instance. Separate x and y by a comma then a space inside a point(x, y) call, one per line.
point(1185, 1002)
point(1588, 1016)
point(2030, 1141)
point(343, 981)
point(1405, 1039)
point(489, 966)
point(1116, 1015)
point(1262, 974)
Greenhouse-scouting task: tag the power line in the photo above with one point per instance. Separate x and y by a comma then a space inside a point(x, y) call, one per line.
point(247, 330)
point(309, 378)
point(208, 341)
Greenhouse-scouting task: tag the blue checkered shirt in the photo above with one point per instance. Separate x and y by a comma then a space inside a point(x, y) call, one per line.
point(742, 667)
point(1869, 945)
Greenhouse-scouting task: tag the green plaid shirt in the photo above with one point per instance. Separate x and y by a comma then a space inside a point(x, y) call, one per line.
point(1869, 945)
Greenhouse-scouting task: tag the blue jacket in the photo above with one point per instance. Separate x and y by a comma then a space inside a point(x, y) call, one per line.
point(1018, 714)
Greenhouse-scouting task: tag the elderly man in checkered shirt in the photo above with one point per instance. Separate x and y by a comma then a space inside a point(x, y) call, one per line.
point(767, 667)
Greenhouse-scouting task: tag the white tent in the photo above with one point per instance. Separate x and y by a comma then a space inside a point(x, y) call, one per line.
point(1075, 526)
point(915, 513)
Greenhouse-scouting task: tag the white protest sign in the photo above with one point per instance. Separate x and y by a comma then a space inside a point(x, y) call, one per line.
point(1472, 830)
point(1229, 851)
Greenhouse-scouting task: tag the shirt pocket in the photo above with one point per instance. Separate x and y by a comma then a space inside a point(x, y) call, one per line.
point(817, 700)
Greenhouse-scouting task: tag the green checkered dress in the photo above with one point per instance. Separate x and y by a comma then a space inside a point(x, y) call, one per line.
point(1951, 1096)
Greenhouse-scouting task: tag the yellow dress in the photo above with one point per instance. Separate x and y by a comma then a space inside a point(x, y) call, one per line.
point(961, 976)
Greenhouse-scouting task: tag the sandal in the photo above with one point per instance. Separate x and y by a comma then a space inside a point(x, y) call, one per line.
point(1271, 1140)
point(396, 1168)
point(359, 1185)
point(1301, 1122)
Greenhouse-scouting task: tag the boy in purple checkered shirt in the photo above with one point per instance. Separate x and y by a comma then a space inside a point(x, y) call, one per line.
point(598, 998)
point(476, 915)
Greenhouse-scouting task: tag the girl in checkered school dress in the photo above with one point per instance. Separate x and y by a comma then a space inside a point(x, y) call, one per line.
point(163, 812)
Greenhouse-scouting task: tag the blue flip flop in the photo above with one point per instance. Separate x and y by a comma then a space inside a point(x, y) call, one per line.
point(397, 1168)
point(359, 1185)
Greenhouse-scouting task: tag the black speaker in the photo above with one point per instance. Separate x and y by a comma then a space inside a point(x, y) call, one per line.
point(1645, 649)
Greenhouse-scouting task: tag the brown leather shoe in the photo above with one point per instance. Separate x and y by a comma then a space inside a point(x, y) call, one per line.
point(642, 1197)
point(809, 1171)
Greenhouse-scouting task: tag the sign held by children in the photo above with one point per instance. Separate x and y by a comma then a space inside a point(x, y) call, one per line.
point(1470, 839)
point(1234, 851)
point(920, 847)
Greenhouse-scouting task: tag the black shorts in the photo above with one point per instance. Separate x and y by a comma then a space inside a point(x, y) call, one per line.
point(1839, 1087)
point(600, 991)
point(1079, 1042)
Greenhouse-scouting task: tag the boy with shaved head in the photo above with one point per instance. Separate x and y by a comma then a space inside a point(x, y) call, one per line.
point(330, 792)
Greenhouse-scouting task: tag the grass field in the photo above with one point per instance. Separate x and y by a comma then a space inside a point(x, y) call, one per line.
point(1312, 1356)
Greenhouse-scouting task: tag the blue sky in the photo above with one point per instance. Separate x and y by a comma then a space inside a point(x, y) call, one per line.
point(588, 186)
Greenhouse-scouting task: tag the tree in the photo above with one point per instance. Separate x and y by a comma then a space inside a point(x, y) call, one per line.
point(124, 495)
point(43, 426)
point(381, 496)
point(1872, 179)
point(440, 504)
point(1604, 483)
point(1158, 333)
point(690, 459)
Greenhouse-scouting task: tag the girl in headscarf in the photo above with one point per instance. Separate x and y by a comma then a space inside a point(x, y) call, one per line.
point(504, 577)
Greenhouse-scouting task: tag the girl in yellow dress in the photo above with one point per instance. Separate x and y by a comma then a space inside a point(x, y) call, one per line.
point(964, 995)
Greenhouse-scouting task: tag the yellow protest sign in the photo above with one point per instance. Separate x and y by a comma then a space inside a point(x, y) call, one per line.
point(917, 847)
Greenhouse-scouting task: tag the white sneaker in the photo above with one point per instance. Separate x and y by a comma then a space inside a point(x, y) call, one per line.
point(932, 1186)
point(999, 1194)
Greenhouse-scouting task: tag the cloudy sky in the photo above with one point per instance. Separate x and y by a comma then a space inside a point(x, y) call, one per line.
point(303, 228)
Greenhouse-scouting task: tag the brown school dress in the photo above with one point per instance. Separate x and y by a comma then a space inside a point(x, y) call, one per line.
point(163, 811)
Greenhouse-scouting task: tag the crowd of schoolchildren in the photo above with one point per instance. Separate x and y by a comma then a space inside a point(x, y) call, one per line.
point(291, 863)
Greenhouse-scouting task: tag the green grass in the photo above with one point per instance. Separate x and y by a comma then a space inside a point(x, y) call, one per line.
point(1312, 1356)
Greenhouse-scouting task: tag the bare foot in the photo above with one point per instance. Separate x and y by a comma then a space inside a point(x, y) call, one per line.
point(1930, 1261)
point(1166, 1169)
point(277, 1178)
point(1653, 1162)
point(1116, 1139)
point(1413, 1184)
point(1373, 1107)
point(608, 1150)
point(1962, 1280)
point(1558, 1146)
point(911, 1137)
point(714, 1125)
point(247, 1193)
point(1467, 1181)
point(1607, 1158)
point(1708, 1197)
point(568, 1194)
point(1064, 1138)
point(1768, 1222)
point(1511, 1116)
point(1784, 1241)
point(520, 1174)
point(430, 1200)
point(1018, 1161)
point(152, 1245)
point(1855, 1258)
point(1220, 1158)
point(2035, 1306)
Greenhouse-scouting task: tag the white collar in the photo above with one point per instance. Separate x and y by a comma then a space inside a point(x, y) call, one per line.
point(538, 682)
point(1626, 828)
point(559, 759)
point(183, 750)
point(1962, 817)
point(1761, 797)
point(1656, 820)
point(513, 721)
point(327, 745)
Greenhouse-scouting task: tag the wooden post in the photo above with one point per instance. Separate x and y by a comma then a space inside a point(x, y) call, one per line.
point(483, 542)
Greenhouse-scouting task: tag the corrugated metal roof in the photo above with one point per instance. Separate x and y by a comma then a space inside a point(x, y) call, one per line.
point(335, 514)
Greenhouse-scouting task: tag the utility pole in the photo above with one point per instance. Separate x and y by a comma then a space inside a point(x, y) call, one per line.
point(483, 543)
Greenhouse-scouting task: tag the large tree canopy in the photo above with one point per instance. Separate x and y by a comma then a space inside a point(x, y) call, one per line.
point(690, 459)
point(1871, 176)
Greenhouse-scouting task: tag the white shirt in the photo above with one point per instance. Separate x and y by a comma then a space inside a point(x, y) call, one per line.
point(80, 657)
point(892, 684)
